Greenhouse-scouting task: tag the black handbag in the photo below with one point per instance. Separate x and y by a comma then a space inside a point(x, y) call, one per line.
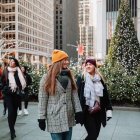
point(96, 108)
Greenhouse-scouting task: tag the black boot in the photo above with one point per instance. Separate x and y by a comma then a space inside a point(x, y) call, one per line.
point(13, 135)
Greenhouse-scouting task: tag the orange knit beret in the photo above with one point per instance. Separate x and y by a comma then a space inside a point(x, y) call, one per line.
point(58, 55)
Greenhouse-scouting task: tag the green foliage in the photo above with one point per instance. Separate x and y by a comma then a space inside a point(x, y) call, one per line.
point(122, 86)
point(124, 46)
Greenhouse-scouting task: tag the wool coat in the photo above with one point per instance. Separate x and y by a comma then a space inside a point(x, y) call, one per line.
point(58, 110)
point(105, 102)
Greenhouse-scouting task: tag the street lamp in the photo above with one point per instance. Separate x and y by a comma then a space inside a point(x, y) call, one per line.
point(78, 59)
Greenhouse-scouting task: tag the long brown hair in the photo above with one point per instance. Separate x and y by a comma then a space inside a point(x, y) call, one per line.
point(54, 70)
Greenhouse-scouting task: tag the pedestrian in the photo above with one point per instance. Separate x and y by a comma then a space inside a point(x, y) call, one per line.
point(4, 103)
point(0, 81)
point(24, 96)
point(94, 100)
point(58, 98)
point(12, 82)
point(5, 59)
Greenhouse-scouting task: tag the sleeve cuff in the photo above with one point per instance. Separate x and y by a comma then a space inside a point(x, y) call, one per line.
point(109, 113)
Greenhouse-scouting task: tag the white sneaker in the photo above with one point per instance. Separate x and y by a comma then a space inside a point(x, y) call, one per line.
point(26, 112)
point(19, 113)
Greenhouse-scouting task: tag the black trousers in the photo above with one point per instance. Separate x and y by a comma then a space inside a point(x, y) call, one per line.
point(12, 105)
point(4, 104)
point(92, 125)
point(25, 99)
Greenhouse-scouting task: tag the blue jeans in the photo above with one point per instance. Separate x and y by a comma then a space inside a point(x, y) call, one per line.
point(62, 136)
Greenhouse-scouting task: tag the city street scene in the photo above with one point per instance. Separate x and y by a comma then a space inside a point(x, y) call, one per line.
point(69, 69)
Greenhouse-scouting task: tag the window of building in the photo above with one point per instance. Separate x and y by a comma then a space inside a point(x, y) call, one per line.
point(56, 46)
point(60, 41)
point(61, 47)
point(60, 21)
point(113, 5)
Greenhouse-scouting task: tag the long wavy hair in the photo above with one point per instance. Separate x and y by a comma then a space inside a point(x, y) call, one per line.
point(54, 70)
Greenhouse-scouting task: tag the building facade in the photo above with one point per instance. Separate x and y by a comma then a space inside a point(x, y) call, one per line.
point(112, 7)
point(66, 26)
point(86, 26)
point(107, 13)
point(27, 29)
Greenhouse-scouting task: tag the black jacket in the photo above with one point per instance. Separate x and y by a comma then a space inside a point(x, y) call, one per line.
point(5, 82)
point(105, 102)
point(28, 80)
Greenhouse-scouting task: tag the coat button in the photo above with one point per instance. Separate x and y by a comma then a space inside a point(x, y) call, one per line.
point(64, 91)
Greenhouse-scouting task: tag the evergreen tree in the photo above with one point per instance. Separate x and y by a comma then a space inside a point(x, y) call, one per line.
point(125, 47)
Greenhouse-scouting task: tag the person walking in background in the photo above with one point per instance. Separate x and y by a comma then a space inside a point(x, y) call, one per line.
point(4, 103)
point(0, 80)
point(94, 100)
point(12, 81)
point(58, 98)
point(25, 94)
point(5, 60)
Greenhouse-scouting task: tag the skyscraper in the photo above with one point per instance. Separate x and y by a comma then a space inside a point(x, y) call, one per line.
point(27, 28)
point(66, 26)
point(86, 26)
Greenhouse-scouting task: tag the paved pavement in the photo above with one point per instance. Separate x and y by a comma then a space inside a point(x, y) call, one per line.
point(125, 125)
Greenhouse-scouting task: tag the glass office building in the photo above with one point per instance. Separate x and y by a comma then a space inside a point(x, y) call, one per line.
point(66, 26)
point(27, 28)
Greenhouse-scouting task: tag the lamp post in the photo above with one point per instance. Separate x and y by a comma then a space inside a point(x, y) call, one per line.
point(78, 59)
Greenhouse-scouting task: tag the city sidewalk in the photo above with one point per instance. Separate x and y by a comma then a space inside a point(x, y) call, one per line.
point(125, 125)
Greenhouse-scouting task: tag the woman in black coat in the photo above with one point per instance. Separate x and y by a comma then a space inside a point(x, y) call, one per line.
point(94, 100)
point(12, 82)
point(25, 96)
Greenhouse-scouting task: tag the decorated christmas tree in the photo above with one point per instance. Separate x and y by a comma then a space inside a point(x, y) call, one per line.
point(121, 69)
point(125, 48)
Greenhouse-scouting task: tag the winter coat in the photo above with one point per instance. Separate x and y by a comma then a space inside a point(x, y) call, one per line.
point(58, 110)
point(105, 102)
point(5, 82)
point(0, 83)
point(28, 80)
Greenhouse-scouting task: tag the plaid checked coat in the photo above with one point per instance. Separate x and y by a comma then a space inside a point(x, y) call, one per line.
point(58, 110)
